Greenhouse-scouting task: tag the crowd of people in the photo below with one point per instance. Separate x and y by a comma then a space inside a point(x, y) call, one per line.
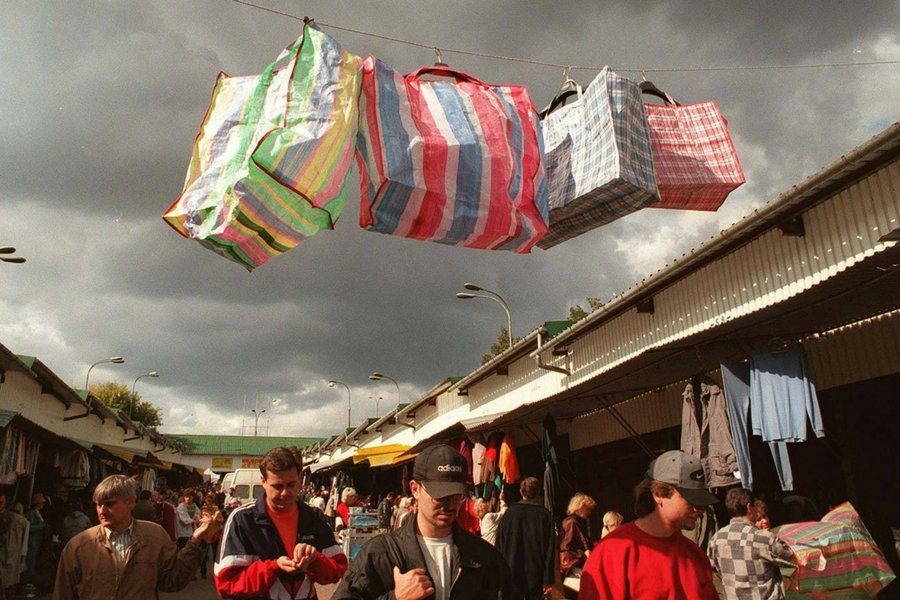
point(438, 541)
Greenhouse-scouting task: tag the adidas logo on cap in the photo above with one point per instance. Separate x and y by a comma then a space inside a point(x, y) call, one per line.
point(449, 469)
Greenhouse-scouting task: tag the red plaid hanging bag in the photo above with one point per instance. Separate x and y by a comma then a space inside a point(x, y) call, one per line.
point(693, 155)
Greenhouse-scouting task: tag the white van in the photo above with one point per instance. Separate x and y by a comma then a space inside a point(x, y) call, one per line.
point(247, 485)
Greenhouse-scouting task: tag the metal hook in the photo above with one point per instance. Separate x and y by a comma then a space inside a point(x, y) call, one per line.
point(643, 75)
point(440, 60)
point(567, 73)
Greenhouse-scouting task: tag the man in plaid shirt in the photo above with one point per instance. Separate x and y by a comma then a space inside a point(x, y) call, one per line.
point(746, 557)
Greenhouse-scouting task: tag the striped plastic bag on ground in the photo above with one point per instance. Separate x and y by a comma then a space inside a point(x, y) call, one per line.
point(271, 161)
point(455, 161)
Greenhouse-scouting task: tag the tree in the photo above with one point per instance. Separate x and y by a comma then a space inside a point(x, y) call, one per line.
point(500, 346)
point(117, 395)
point(576, 313)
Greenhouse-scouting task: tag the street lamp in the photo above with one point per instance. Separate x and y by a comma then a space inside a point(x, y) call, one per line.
point(377, 400)
point(256, 425)
point(115, 359)
point(335, 382)
point(147, 374)
point(376, 376)
point(18, 260)
point(495, 297)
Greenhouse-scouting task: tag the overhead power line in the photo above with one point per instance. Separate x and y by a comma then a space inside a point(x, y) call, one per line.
point(441, 50)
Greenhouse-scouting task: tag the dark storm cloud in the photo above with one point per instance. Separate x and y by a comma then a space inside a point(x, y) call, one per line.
point(102, 102)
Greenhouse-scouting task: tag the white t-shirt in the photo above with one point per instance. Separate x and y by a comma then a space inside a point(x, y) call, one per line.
point(439, 560)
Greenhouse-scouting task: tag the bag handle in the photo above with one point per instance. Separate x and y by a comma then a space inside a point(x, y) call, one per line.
point(444, 71)
point(648, 88)
point(569, 88)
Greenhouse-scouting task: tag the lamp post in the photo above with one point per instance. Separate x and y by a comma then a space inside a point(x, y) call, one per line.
point(18, 260)
point(147, 374)
point(376, 376)
point(493, 296)
point(256, 425)
point(115, 359)
point(335, 382)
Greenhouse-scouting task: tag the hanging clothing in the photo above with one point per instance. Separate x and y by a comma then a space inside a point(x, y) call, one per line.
point(508, 464)
point(465, 448)
point(75, 469)
point(782, 396)
point(477, 461)
point(736, 379)
point(706, 433)
point(489, 461)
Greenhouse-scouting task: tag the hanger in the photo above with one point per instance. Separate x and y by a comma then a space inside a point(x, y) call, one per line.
point(569, 85)
point(440, 59)
point(568, 89)
point(647, 87)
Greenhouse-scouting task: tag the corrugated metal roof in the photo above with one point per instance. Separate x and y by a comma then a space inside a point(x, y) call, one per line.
point(6, 416)
point(860, 162)
point(238, 445)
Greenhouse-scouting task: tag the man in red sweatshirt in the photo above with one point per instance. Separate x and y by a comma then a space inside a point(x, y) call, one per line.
point(279, 546)
point(650, 559)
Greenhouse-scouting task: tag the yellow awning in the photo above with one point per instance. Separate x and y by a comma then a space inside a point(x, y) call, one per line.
point(387, 449)
point(379, 456)
point(118, 452)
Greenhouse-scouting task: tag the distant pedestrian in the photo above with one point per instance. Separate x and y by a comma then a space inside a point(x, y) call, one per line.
point(526, 539)
point(74, 522)
point(144, 509)
point(490, 520)
point(747, 557)
point(611, 521)
point(649, 558)
point(386, 511)
point(187, 515)
point(36, 526)
point(575, 535)
point(165, 513)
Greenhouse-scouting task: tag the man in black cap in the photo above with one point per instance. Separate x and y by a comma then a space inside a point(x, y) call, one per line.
point(650, 557)
point(429, 556)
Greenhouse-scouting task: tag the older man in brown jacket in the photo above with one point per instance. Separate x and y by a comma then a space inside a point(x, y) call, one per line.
point(124, 557)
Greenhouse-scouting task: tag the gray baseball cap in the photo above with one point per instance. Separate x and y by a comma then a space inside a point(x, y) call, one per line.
point(685, 473)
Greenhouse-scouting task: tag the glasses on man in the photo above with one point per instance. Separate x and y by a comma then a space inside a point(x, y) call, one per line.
point(446, 501)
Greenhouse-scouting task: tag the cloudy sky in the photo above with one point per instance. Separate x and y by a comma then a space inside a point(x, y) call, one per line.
point(102, 101)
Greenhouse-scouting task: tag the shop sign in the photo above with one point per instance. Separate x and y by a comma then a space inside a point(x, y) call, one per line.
point(219, 463)
point(250, 463)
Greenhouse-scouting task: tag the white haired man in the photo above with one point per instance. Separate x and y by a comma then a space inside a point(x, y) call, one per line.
point(123, 557)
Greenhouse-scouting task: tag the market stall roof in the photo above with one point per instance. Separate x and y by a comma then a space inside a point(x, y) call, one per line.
point(50, 381)
point(861, 284)
point(430, 397)
point(378, 456)
point(9, 361)
point(780, 212)
point(327, 464)
point(361, 429)
point(15, 419)
point(499, 365)
point(238, 444)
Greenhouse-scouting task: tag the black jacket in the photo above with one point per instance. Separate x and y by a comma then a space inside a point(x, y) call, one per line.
point(482, 573)
point(526, 539)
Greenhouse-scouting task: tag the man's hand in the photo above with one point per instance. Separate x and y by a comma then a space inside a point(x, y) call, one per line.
point(412, 585)
point(208, 528)
point(304, 556)
point(287, 564)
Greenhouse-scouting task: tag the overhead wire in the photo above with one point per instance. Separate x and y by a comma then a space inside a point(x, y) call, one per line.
point(567, 65)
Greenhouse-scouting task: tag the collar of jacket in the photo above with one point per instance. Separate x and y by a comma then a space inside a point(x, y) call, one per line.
point(465, 542)
point(137, 536)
